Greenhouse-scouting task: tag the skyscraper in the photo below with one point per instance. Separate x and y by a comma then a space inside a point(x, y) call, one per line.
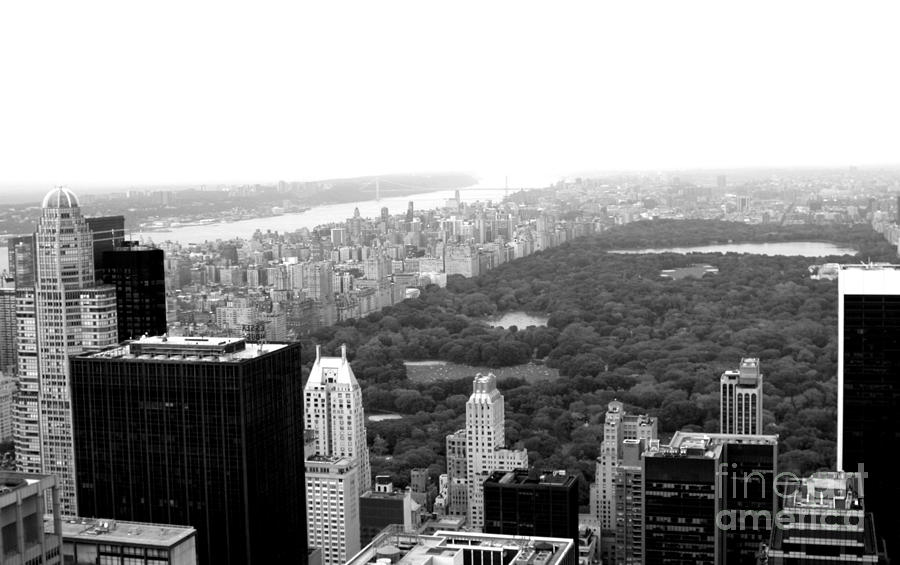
point(825, 521)
point(618, 427)
point(7, 330)
point(741, 399)
point(333, 409)
point(708, 498)
point(527, 503)
point(138, 275)
point(868, 389)
point(196, 431)
point(486, 449)
point(107, 233)
point(64, 314)
point(629, 510)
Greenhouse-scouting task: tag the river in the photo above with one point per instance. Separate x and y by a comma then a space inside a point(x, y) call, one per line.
point(484, 191)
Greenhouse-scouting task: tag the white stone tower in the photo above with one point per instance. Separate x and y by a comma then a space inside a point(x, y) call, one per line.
point(62, 316)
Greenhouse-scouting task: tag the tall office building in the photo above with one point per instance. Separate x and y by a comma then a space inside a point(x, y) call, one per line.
point(63, 314)
point(332, 507)
point(825, 521)
point(868, 389)
point(7, 329)
point(741, 399)
point(457, 474)
point(486, 449)
point(107, 233)
point(21, 260)
point(196, 431)
point(618, 426)
point(333, 409)
point(708, 498)
point(138, 274)
point(629, 505)
point(525, 503)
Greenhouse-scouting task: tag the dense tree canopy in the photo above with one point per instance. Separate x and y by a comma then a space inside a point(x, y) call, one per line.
point(616, 330)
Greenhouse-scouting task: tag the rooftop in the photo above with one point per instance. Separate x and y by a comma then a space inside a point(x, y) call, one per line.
point(181, 348)
point(119, 532)
point(447, 546)
point(698, 444)
point(523, 476)
point(11, 481)
point(832, 489)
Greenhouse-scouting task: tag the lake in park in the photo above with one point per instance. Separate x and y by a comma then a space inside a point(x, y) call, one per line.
point(790, 248)
point(519, 319)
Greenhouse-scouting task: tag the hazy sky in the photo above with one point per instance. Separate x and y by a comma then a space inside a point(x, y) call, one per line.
point(95, 93)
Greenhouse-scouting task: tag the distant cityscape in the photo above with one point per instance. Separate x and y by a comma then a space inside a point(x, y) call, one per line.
point(212, 402)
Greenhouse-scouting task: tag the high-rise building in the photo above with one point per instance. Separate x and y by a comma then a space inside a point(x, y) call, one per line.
point(107, 233)
point(24, 501)
point(457, 474)
point(741, 399)
point(333, 409)
point(7, 394)
point(448, 547)
point(618, 426)
point(138, 274)
point(868, 389)
point(824, 520)
point(332, 507)
point(709, 498)
point(629, 505)
point(8, 329)
point(486, 449)
point(21, 260)
point(526, 503)
point(196, 431)
point(64, 314)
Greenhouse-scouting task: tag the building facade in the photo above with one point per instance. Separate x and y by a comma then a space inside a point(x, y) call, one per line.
point(868, 390)
point(333, 410)
point(332, 498)
point(825, 521)
point(138, 275)
point(709, 498)
point(526, 503)
point(62, 315)
point(628, 540)
point(486, 449)
point(741, 399)
point(196, 431)
point(8, 330)
point(110, 542)
point(24, 502)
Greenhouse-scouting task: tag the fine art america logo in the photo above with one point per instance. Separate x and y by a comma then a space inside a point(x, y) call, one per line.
point(815, 508)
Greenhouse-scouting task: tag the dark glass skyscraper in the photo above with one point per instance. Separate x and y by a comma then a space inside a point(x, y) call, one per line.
point(868, 387)
point(107, 232)
point(527, 504)
point(138, 274)
point(206, 432)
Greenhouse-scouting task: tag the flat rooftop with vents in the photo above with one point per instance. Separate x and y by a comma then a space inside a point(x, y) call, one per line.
point(180, 348)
